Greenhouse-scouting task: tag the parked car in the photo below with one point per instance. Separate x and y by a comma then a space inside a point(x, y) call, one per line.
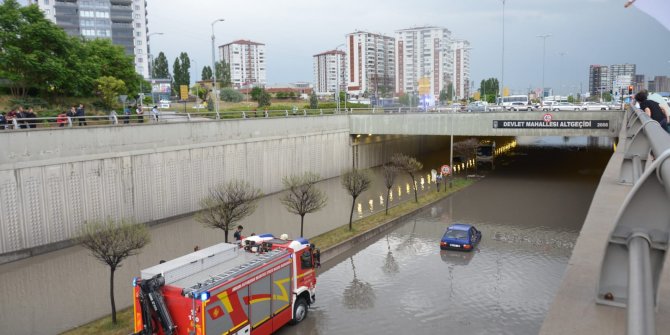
point(594, 106)
point(518, 106)
point(565, 106)
point(476, 106)
point(548, 105)
point(460, 236)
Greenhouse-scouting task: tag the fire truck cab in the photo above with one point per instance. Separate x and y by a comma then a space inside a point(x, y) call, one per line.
point(255, 287)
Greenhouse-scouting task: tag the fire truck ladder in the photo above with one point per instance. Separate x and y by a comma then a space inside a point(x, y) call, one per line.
point(153, 306)
point(195, 290)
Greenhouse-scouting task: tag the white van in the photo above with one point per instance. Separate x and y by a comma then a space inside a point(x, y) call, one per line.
point(548, 105)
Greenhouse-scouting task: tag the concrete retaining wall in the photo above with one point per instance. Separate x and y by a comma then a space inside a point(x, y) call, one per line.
point(52, 181)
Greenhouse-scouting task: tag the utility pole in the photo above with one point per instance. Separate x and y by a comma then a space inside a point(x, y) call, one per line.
point(502, 79)
point(216, 96)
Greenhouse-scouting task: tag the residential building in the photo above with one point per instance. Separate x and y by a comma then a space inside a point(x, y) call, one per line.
point(599, 81)
point(639, 82)
point(622, 75)
point(246, 60)
point(330, 71)
point(424, 60)
point(371, 64)
point(122, 21)
point(661, 84)
point(461, 69)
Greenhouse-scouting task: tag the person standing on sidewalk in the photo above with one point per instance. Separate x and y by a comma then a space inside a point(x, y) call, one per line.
point(81, 115)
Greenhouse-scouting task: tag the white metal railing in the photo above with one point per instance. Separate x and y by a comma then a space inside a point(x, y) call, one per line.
point(636, 249)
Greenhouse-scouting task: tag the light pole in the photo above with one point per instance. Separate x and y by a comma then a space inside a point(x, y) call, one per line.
point(337, 77)
point(502, 77)
point(544, 45)
point(216, 96)
point(560, 75)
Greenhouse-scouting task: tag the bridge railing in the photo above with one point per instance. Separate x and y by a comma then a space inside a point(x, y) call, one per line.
point(636, 249)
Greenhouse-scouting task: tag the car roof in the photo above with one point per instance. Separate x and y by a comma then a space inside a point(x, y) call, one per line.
point(460, 226)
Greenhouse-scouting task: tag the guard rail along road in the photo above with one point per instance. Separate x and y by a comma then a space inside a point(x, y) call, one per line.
point(636, 248)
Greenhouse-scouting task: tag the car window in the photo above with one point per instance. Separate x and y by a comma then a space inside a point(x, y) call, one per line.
point(456, 234)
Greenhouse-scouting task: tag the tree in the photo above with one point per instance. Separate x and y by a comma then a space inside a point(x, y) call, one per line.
point(111, 242)
point(264, 99)
point(607, 96)
point(443, 96)
point(180, 71)
point(313, 101)
point(450, 91)
point(389, 172)
point(256, 93)
point(571, 99)
point(302, 196)
point(34, 52)
point(223, 73)
point(108, 89)
point(409, 165)
point(231, 95)
point(199, 91)
point(206, 73)
point(227, 204)
point(466, 149)
point(355, 182)
point(161, 69)
point(489, 89)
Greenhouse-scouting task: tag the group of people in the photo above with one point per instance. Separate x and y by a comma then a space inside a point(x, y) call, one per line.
point(24, 118)
point(75, 114)
point(139, 112)
point(658, 110)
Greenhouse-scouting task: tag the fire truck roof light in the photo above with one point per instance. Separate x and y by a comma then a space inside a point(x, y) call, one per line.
point(134, 281)
point(266, 235)
point(302, 240)
point(204, 296)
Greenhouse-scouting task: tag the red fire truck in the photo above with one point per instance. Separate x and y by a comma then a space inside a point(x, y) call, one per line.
point(252, 288)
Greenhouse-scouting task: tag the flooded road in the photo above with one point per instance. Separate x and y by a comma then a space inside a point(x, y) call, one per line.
point(530, 210)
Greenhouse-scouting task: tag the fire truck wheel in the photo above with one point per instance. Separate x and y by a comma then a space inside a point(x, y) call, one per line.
point(299, 311)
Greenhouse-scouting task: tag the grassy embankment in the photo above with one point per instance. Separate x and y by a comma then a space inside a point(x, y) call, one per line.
point(104, 326)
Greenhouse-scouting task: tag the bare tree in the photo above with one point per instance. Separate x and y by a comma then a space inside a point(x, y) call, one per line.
point(355, 182)
point(227, 204)
point(302, 196)
point(111, 242)
point(410, 165)
point(466, 149)
point(389, 171)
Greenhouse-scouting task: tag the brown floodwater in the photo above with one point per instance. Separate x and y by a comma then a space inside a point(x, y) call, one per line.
point(530, 210)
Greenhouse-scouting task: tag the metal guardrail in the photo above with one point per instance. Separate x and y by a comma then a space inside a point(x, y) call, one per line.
point(636, 249)
point(170, 116)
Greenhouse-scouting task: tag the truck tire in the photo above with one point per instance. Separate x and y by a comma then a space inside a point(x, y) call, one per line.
point(299, 311)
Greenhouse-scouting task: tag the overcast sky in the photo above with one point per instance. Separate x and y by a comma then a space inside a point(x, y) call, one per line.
point(586, 31)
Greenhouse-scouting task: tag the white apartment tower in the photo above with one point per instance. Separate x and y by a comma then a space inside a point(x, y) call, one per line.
point(423, 54)
point(330, 71)
point(122, 21)
point(247, 62)
point(461, 68)
point(371, 59)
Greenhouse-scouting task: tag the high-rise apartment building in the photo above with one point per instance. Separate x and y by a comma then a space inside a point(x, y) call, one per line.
point(330, 71)
point(461, 68)
point(247, 62)
point(624, 73)
point(639, 82)
point(371, 64)
point(599, 80)
point(122, 21)
point(660, 84)
point(423, 55)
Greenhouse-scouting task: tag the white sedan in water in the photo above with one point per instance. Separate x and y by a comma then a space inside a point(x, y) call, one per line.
point(594, 106)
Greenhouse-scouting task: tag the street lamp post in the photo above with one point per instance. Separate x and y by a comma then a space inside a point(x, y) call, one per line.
point(544, 47)
point(216, 96)
point(337, 77)
point(502, 77)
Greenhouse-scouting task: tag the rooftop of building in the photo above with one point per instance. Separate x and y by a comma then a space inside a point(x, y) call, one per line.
point(244, 42)
point(331, 52)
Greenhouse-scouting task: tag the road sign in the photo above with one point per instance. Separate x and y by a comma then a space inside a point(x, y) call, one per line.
point(547, 117)
point(183, 92)
point(445, 170)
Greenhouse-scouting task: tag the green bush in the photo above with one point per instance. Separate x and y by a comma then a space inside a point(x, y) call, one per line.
point(231, 95)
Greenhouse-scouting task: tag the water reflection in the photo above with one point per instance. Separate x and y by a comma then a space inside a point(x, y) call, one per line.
point(358, 294)
point(390, 264)
point(457, 257)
